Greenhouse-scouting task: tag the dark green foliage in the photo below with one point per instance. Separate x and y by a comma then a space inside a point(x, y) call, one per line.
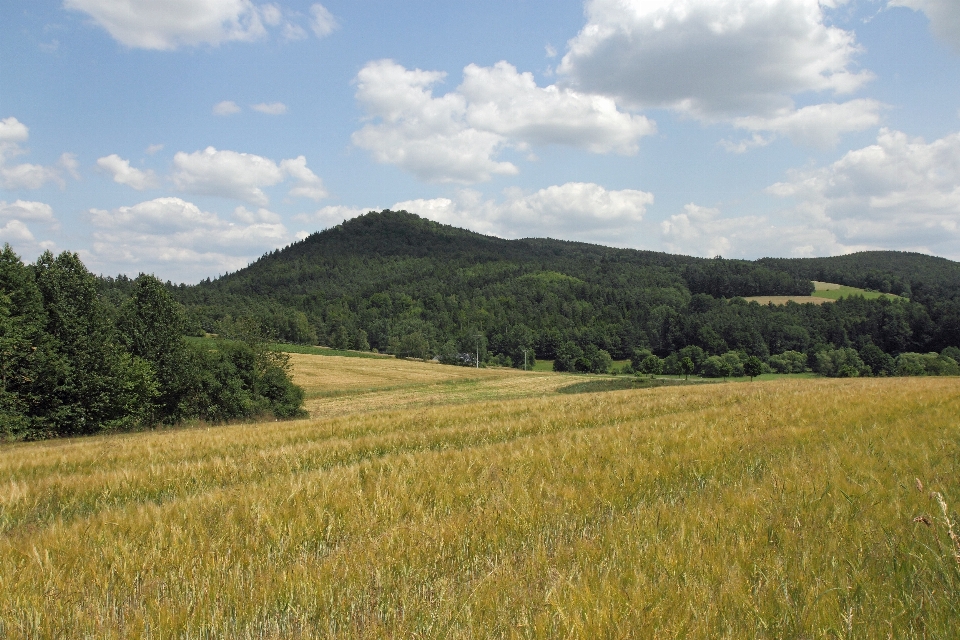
point(925, 364)
point(29, 363)
point(235, 380)
point(695, 354)
point(151, 325)
point(721, 278)
point(791, 362)
point(716, 367)
point(753, 367)
point(594, 360)
point(951, 352)
point(73, 361)
point(405, 285)
point(567, 356)
point(840, 363)
point(99, 385)
point(651, 365)
point(880, 363)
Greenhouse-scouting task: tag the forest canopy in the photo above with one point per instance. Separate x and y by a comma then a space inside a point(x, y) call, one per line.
point(399, 283)
point(73, 363)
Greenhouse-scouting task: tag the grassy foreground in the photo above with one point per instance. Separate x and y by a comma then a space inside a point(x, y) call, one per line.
point(775, 509)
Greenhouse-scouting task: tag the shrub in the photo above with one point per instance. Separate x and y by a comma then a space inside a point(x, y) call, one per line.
point(716, 367)
point(733, 359)
point(567, 355)
point(840, 363)
point(880, 363)
point(789, 362)
point(594, 360)
point(696, 355)
point(753, 367)
point(926, 364)
point(651, 365)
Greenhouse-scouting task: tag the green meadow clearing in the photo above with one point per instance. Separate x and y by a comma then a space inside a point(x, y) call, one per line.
point(833, 291)
point(824, 292)
point(428, 501)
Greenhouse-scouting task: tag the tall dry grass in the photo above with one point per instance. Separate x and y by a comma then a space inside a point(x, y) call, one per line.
point(782, 509)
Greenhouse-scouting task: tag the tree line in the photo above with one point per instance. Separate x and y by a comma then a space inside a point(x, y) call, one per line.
point(75, 362)
point(400, 284)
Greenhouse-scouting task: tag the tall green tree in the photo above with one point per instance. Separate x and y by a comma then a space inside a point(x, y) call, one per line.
point(151, 326)
point(100, 386)
point(30, 364)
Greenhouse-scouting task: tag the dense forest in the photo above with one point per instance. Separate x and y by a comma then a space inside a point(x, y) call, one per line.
point(75, 362)
point(401, 284)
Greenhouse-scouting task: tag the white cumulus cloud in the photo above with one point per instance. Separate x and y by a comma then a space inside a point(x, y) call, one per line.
point(171, 24)
point(123, 173)
point(26, 175)
point(178, 238)
point(457, 137)
point(944, 18)
point(901, 192)
point(575, 210)
point(323, 23)
point(14, 217)
point(226, 108)
point(711, 58)
point(12, 131)
point(242, 176)
point(27, 210)
point(271, 108)
point(703, 231)
point(501, 100)
point(332, 215)
point(818, 125)
point(308, 184)
point(147, 24)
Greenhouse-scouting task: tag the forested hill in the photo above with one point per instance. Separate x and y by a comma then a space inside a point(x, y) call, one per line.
point(913, 275)
point(400, 283)
point(399, 245)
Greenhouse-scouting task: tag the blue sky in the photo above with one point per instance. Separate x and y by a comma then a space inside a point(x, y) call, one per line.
point(187, 137)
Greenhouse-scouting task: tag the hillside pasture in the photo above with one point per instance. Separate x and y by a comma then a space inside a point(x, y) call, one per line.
point(790, 508)
point(832, 291)
point(823, 292)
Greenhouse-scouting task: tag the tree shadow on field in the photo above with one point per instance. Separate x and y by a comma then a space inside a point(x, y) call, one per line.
point(620, 384)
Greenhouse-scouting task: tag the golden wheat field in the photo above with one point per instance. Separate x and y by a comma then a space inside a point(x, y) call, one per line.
point(423, 501)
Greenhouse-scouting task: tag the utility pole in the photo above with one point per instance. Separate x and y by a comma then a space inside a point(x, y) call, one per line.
point(524, 359)
point(478, 336)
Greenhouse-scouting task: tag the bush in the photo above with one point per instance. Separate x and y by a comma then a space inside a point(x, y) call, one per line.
point(72, 364)
point(789, 362)
point(735, 361)
point(840, 363)
point(716, 367)
point(753, 367)
point(696, 355)
point(594, 360)
point(926, 364)
point(651, 365)
point(639, 355)
point(567, 355)
point(880, 363)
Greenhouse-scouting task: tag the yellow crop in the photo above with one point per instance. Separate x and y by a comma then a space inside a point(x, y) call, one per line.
point(432, 501)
